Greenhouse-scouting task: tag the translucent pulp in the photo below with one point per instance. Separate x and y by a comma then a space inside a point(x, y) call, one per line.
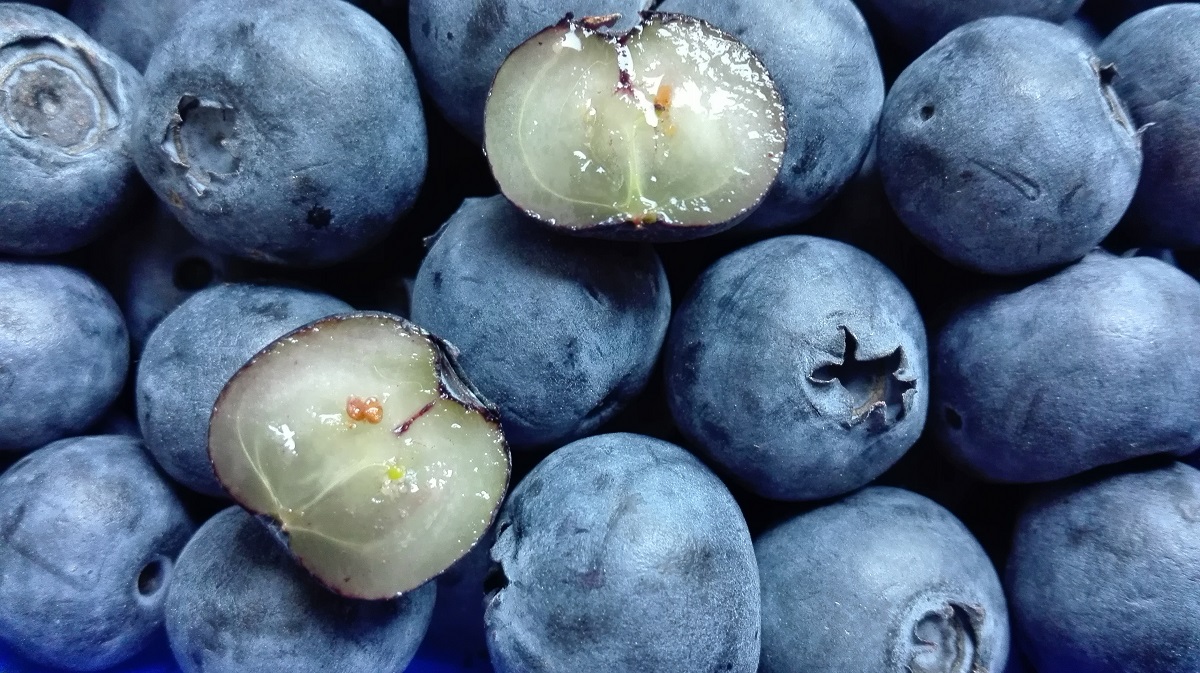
point(673, 123)
point(350, 433)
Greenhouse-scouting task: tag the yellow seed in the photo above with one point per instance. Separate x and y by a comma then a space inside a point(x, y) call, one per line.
point(395, 473)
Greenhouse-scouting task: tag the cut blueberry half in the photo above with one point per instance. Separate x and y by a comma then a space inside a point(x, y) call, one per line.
point(359, 438)
point(672, 130)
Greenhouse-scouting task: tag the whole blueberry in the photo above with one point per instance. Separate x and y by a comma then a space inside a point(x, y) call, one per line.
point(622, 554)
point(240, 604)
point(917, 24)
point(799, 365)
point(89, 531)
point(1005, 149)
point(66, 120)
point(1158, 64)
point(458, 45)
point(287, 131)
point(1091, 366)
point(130, 28)
point(823, 61)
point(559, 332)
point(192, 354)
point(159, 266)
point(1103, 574)
point(884, 580)
point(64, 353)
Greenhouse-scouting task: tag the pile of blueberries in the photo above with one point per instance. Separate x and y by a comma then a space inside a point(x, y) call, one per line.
point(929, 408)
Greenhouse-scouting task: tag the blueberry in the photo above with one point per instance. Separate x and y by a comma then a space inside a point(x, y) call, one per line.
point(459, 45)
point(1005, 149)
point(798, 364)
point(161, 265)
point(917, 24)
point(621, 553)
point(66, 109)
point(1103, 574)
point(1091, 366)
point(288, 131)
point(824, 64)
point(88, 533)
point(64, 353)
point(1157, 62)
point(130, 28)
point(559, 332)
point(884, 580)
point(192, 354)
point(239, 604)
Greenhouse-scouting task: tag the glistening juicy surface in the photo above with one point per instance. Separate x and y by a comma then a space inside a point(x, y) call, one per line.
point(675, 122)
point(356, 435)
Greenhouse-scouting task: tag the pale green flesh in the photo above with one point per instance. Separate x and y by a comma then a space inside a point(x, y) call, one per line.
point(571, 145)
point(369, 511)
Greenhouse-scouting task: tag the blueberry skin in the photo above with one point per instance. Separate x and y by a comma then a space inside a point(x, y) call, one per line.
point(194, 352)
point(161, 265)
point(64, 353)
point(241, 136)
point(918, 24)
point(884, 580)
point(89, 530)
point(823, 61)
point(458, 45)
point(622, 553)
point(1158, 69)
point(755, 375)
point(1004, 150)
point(67, 168)
point(1091, 366)
point(559, 332)
point(130, 28)
point(1103, 574)
point(240, 604)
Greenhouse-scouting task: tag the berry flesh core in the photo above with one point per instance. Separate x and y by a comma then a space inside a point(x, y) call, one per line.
point(358, 437)
point(672, 130)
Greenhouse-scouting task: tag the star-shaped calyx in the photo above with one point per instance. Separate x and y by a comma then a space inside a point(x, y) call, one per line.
point(874, 386)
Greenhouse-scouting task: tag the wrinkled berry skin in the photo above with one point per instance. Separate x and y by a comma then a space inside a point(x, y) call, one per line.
point(1091, 366)
point(458, 45)
point(885, 580)
point(89, 530)
point(1103, 574)
point(130, 28)
point(623, 554)
point(917, 24)
point(240, 604)
point(1003, 149)
point(799, 365)
point(559, 332)
point(66, 167)
point(823, 61)
point(192, 354)
point(1158, 68)
point(287, 131)
point(64, 353)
